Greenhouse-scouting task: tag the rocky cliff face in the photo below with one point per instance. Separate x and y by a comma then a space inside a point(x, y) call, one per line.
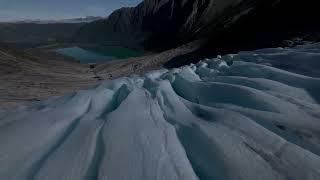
point(161, 24)
point(167, 22)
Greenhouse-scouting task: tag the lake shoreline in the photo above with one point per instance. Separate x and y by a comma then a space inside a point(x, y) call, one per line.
point(38, 73)
point(97, 54)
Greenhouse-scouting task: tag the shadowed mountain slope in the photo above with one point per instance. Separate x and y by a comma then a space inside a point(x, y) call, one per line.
point(164, 24)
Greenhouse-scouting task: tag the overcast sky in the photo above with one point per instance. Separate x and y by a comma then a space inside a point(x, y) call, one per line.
point(58, 9)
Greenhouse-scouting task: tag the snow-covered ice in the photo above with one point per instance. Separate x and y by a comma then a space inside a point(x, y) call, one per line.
point(246, 120)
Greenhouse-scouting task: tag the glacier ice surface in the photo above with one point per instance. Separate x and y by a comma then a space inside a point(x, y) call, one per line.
point(248, 120)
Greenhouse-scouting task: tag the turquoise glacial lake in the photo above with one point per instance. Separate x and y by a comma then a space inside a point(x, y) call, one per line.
point(98, 54)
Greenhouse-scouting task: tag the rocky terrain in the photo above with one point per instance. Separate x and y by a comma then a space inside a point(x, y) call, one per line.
point(33, 74)
point(29, 76)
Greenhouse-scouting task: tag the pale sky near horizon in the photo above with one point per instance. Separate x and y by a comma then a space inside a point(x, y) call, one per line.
point(58, 9)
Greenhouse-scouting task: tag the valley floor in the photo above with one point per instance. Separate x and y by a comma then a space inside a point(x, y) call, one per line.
point(30, 75)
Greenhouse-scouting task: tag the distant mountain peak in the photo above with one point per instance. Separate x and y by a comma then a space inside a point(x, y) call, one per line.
point(86, 19)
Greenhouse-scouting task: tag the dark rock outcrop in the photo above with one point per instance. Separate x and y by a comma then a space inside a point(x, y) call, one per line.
point(163, 24)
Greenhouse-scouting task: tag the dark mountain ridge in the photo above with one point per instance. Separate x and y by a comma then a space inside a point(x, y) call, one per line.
point(282, 23)
point(86, 19)
point(164, 24)
point(156, 24)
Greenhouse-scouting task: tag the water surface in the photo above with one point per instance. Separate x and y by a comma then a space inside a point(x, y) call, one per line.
point(98, 54)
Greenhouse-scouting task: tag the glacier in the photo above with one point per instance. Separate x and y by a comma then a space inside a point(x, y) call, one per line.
point(234, 117)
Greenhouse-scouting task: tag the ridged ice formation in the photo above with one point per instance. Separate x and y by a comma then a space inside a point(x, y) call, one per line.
point(207, 121)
